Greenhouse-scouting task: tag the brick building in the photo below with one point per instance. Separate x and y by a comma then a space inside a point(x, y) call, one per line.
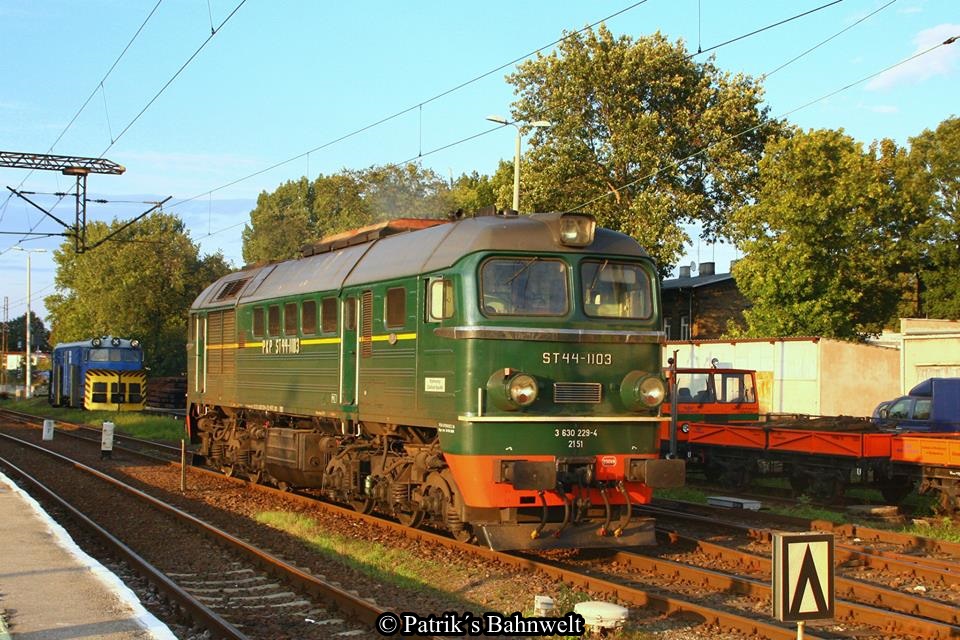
point(698, 308)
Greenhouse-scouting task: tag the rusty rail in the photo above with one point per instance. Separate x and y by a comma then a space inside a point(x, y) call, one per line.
point(875, 595)
point(193, 607)
point(347, 602)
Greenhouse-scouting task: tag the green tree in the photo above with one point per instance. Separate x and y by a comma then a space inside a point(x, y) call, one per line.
point(472, 192)
point(409, 191)
point(299, 212)
point(642, 136)
point(289, 216)
point(827, 239)
point(138, 285)
point(935, 164)
point(338, 205)
point(16, 334)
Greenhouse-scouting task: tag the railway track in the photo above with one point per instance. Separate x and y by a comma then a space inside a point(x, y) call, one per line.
point(898, 591)
point(642, 580)
point(230, 587)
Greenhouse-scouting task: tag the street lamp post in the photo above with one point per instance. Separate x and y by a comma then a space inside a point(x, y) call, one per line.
point(27, 385)
point(516, 155)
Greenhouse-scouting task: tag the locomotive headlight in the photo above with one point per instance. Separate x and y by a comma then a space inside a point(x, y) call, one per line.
point(577, 230)
point(641, 390)
point(510, 390)
point(523, 389)
point(652, 391)
point(135, 343)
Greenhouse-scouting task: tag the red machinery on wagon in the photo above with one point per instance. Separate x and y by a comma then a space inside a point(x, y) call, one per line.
point(720, 432)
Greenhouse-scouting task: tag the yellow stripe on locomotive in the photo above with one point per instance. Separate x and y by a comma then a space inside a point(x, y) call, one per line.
point(109, 390)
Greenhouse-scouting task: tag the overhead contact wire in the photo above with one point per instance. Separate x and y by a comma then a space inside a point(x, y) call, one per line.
point(407, 110)
point(174, 77)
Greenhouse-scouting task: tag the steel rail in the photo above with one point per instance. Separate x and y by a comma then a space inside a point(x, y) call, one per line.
point(29, 418)
point(870, 534)
point(665, 604)
point(881, 560)
point(867, 593)
point(196, 610)
point(852, 612)
point(910, 541)
point(362, 609)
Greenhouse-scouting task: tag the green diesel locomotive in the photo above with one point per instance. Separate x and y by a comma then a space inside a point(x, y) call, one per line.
point(497, 376)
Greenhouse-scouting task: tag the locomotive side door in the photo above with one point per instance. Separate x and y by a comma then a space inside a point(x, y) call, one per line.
point(76, 386)
point(348, 354)
point(199, 330)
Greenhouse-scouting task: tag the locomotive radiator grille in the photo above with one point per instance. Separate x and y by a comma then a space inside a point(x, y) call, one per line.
point(581, 392)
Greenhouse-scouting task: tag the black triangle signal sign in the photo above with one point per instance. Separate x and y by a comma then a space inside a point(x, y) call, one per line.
point(803, 576)
point(808, 579)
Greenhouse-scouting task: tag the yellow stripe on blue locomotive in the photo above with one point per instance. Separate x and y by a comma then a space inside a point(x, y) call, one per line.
point(109, 390)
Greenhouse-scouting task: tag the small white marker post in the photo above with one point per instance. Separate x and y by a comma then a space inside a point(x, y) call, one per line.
point(106, 441)
point(183, 465)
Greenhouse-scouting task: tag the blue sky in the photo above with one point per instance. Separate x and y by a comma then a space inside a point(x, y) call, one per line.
point(283, 77)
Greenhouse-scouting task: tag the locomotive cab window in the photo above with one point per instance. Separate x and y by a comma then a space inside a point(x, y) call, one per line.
point(258, 322)
point(615, 290)
point(531, 286)
point(329, 315)
point(290, 319)
point(308, 317)
point(440, 295)
point(395, 315)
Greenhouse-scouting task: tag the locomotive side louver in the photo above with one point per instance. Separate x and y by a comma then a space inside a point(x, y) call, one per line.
point(582, 392)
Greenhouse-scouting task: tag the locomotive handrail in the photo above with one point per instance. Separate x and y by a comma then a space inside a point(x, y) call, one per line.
point(551, 335)
point(525, 418)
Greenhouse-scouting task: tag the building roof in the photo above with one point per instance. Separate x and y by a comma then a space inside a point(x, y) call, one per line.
point(695, 283)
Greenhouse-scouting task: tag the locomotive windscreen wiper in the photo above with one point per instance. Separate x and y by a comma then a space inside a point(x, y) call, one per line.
point(596, 276)
point(522, 269)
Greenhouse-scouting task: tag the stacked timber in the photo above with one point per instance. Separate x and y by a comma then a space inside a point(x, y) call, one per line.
point(167, 393)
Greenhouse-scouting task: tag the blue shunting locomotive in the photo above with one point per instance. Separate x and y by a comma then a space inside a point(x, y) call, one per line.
point(103, 373)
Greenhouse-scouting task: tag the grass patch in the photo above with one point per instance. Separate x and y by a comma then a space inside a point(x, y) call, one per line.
point(134, 423)
point(684, 494)
point(939, 528)
point(805, 509)
point(386, 564)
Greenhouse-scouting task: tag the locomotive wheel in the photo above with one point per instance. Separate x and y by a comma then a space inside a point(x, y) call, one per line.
point(441, 500)
point(363, 505)
point(228, 470)
point(463, 535)
point(411, 519)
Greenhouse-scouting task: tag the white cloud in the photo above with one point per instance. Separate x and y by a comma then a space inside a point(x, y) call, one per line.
point(939, 62)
